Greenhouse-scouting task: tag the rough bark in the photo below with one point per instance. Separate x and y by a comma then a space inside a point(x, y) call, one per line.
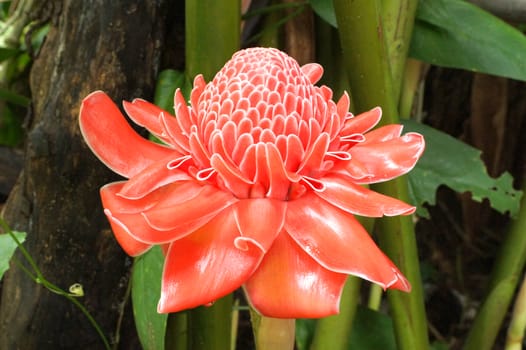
point(109, 45)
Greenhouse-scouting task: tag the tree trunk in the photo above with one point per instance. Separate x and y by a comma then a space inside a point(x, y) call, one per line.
point(114, 46)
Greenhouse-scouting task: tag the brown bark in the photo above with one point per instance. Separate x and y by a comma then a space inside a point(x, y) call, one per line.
point(109, 45)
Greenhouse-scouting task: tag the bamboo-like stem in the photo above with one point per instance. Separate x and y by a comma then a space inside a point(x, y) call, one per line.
point(367, 60)
point(397, 21)
point(273, 333)
point(333, 332)
point(517, 327)
point(503, 283)
point(212, 33)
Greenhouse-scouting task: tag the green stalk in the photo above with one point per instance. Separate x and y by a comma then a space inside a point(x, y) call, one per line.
point(273, 333)
point(368, 64)
point(517, 327)
point(503, 283)
point(209, 328)
point(397, 20)
point(212, 33)
point(333, 332)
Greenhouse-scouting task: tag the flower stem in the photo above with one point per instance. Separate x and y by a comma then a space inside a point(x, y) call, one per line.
point(368, 62)
point(39, 278)
point(273, 333)
point(212, 35)
point(504, 279)
point(518, 321)
point(333, 332)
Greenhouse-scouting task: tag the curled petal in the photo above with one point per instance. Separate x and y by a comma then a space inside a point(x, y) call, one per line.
point(343, 193)
point(206, 204)
point(206, 265)
point(337, 241)
point(313, 71)
point(113, 203)
point(383, 134)
point(389, 159)
point(146, 114)
point(362, 123)
point(233, 179)
point(128, 219)
point(248, 214)
point(153, 177)
point(290, 284)
point(109, 136)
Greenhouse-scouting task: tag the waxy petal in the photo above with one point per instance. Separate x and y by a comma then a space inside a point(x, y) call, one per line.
point(362, 123)
point(389, 159)
point(290, 284)
point(338, 242)
point(248, 214)
point(208, 203)
point(113, 141)
point(341, 192)
point(153, 177)
point(147, 115)
point(206, 265)
point(313, 71)
point(113, 203)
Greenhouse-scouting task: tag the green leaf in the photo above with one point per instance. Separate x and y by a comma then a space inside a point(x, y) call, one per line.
point(324, 9)
point(13, 97)
point(146, 290)
point(6, 53)
point(372, 330)
point(448, 161)
point(455, 33)
point(304, 333)
point(167, 82)
point(7, 249)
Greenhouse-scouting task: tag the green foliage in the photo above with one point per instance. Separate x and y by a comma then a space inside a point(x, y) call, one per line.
point(448, 161)
point(454, 33)
point(457, 34)
point(324, 9)
point(304, 333)
point(146, 290)
point(7, 249)
point(371, 330)
point(167, 82)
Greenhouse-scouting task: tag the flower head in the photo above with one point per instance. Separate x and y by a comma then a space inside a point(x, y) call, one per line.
point(256, 185)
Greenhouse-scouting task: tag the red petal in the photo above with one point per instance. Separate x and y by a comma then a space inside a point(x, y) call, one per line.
point(343, 193)
point(313, 71)
point(206, 265)
point(337, 241)
point(290, 284)
point(389, 159)
point(363, 122)
point(383, 134)
point(111, 202)
point(207, 203)
point(153, 177)
point(146, 114)
point(112, 140)
point(248, 214)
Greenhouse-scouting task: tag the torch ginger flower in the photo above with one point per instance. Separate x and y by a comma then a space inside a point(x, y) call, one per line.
point(256, 185)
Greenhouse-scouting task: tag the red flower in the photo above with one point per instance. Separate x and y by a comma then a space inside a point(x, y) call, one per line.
point(256, 186)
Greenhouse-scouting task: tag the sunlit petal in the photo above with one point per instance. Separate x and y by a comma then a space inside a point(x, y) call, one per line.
point(248, 214)
point(341, 192)
point(337, 241)
point(389, 159)
point(206, 265)
point(290, 284)
point(110, 137)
